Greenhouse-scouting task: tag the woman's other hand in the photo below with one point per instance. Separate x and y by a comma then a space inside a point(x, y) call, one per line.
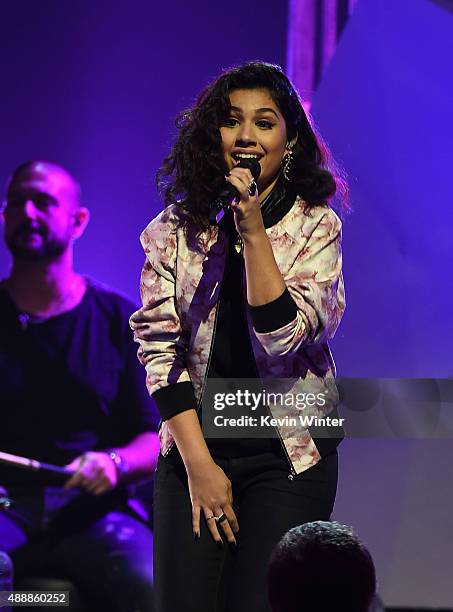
point(211, 495)
point(210, 490)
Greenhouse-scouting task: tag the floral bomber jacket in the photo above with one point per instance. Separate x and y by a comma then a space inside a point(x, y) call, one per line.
point(180, 287)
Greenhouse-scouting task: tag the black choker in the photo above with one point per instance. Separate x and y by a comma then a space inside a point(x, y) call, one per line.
point(277, 203)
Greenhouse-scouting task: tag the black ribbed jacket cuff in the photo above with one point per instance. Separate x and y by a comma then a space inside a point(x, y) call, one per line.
point(174, 399)
point(274, 315)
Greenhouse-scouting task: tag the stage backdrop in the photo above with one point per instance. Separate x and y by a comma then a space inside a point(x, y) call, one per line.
point(385, 106)
point(96, 85)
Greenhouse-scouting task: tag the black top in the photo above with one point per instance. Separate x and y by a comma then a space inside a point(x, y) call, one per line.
point(232, 354)
point(71, 383)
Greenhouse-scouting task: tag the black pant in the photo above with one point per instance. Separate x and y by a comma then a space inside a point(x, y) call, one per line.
point(96, 542)
point(195, 576)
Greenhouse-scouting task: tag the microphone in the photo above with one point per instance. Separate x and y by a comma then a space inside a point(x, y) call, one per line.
point(229, 193)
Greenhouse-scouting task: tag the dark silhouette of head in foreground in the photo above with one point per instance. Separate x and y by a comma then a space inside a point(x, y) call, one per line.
point(321, 567)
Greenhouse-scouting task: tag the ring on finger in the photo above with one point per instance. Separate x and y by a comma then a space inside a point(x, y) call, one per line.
point(252, 187)
point(221, 518)
point(208, 518)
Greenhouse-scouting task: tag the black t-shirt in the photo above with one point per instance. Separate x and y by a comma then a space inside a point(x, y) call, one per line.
point(71, 383)
point(232, 354)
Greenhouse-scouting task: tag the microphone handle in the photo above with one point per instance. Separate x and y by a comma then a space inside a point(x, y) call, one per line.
point(223, 201)
point(222, 204)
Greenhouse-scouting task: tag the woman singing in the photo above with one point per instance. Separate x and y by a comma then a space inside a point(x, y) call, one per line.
point(257, 298)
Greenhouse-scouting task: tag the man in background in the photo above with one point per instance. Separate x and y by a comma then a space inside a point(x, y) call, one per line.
point(71, 393)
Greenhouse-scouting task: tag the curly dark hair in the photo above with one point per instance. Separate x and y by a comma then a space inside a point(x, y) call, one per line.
point(193, 173)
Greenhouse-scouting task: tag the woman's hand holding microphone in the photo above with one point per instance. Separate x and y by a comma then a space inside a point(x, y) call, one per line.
point(247, 212)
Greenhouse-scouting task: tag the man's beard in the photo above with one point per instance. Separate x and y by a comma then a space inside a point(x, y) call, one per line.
point(51, 248)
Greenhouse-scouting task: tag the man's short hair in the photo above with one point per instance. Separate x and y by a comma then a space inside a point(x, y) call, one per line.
point(28, 166)
point(321, 567)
